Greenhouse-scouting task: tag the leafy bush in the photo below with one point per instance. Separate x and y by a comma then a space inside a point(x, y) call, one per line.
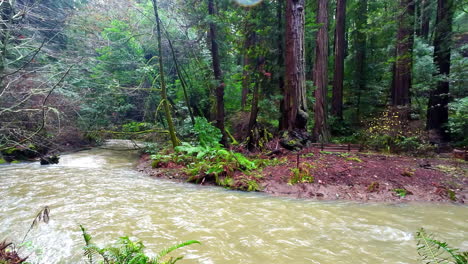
point(458, 121)
point(127, 252)
point(392, 132)
point(300, 175)
point(136, 127)
point(339, 127)
point(208, 135)
point(207, 157)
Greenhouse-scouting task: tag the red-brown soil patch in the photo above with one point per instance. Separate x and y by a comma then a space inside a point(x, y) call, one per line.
point(352, 176)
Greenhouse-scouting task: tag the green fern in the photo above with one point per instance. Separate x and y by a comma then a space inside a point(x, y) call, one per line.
point(126, 252)
point(166, 251)
point(433, 251)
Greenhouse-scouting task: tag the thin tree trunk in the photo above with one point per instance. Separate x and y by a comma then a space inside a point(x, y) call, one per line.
point(254, 108)
point(172, 132)
point(361, 49)
point(340, 43)
point(404, 57)
point(246, 72)
point(437, 111)
point(425, 18)
point(295, 107)
point(181, 78)
point(321, 132)
point(218, 76)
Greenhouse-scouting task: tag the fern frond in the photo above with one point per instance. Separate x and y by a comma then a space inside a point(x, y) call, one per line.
point(92, 252)
point(433, 251)
point(170, 249)
point(87, 237)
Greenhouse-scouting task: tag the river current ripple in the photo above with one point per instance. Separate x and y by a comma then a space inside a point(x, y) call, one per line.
point(100, 190)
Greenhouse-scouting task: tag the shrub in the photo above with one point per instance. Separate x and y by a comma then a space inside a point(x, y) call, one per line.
point(300, 174)
point(136, 127)
point(392, 132)
point(458, 122)
point(207, 157)
point(208, 135)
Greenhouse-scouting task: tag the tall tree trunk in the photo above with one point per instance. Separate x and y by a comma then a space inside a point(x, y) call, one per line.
point(425, 18)
point(295, 108)
point(321, 132)
point(404, 56)
point(437, 111)
point(361, 49)
point(280, 61)
point(167, 110)
point(340, 43)
point(218, 76)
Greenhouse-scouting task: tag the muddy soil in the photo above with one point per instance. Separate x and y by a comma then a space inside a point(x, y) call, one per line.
point(351, 176)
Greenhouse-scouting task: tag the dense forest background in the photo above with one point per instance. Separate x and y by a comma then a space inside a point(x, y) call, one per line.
point(388, 74)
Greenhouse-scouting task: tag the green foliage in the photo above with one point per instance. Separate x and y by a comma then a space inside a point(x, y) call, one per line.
point(433, 251)
point(339, 127)
point(208, 135)
point(356, 159)
point(458, 121)
point(2, 161)
point(252, 186)
point(151, 148)
point(136, 127)
point(401, 192)
point(207, 157)
point(300, 175)
point(392, 132)
point(127, 252)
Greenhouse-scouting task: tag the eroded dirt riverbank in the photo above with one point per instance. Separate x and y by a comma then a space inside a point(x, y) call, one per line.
point(350, 176)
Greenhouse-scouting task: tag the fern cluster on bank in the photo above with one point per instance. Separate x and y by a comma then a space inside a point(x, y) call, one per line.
point(206, 158)
point(127, 252)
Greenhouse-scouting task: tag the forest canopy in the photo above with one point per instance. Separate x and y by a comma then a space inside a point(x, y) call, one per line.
point(381, 73)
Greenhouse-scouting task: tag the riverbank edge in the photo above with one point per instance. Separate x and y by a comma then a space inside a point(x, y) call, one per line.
point(385, 193)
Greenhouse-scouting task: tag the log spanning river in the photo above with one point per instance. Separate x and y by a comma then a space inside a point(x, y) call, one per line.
point(100, 190)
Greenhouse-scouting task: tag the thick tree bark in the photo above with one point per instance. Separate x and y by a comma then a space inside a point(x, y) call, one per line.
point(295, 107)
point(340, 43)
point(361, 50)
point(437, 112)
point(172, 133)
point(404, 56)
point(218, 76)
point(321, 132)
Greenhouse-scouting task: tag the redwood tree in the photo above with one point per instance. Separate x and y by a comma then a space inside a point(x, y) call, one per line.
point(404, 55)
point(320, 71)
point(340, 44)
point(294, 101)
point(218, 75)
point(437, 112)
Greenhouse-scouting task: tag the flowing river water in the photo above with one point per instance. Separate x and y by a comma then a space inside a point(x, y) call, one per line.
point(100, 189)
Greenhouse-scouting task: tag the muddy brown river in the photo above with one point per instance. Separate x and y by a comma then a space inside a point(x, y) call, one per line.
point(100, 189)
